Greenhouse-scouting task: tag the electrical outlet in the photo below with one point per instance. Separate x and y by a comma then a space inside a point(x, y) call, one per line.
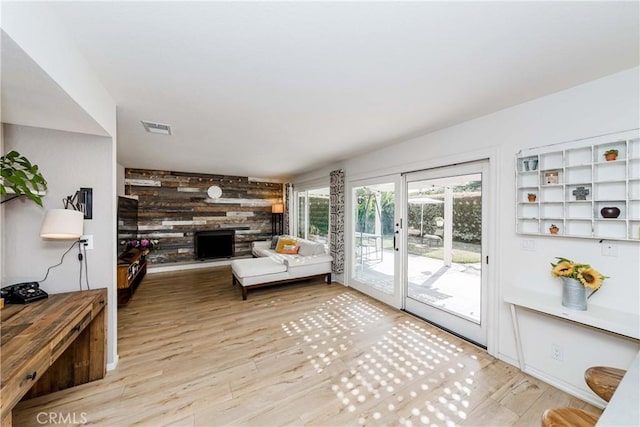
point(88, 244)
point(609, 249)
point(556, 352)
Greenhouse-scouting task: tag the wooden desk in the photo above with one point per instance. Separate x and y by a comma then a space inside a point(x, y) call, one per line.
point(50, 345)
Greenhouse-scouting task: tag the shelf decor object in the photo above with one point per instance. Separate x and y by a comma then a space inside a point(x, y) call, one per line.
point(576, 278)
point(610, 212)
point(579, 190)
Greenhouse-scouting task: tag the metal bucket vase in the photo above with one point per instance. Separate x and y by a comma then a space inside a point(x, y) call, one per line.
point(574, 295)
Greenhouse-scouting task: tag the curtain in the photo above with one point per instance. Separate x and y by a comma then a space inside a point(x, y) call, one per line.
point(336, 196)
point(288, 199)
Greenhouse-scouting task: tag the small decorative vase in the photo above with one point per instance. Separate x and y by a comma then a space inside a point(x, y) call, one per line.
point(533, 163)
point(610, 157)
point(574, 295)
point(610, 212)
point(526, 165)
point(531, 198)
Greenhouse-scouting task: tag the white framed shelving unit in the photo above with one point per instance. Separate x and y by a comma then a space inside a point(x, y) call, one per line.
point(573, 182)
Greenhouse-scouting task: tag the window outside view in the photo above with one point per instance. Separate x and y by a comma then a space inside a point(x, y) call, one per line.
point(313, 215)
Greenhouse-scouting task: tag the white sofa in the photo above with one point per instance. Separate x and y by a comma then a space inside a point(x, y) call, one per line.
point(271, 268)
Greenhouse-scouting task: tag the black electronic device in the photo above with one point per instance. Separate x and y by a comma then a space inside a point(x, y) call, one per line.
point(23, 293)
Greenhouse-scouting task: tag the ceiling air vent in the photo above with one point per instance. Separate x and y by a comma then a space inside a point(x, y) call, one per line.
point(156, 127)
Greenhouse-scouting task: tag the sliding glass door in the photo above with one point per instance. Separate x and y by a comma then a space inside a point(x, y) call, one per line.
point(444, 253)
point(375, 239)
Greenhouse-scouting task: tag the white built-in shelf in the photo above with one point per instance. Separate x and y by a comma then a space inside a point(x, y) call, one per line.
point(557, 174)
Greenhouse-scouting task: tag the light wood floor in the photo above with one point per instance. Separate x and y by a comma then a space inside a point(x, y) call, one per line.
point(192, 353)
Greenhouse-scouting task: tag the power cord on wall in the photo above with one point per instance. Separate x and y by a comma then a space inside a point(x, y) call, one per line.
point(61, 260)
point(81, 257)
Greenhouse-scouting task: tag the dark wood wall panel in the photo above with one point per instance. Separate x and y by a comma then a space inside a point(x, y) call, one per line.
point(174, 205)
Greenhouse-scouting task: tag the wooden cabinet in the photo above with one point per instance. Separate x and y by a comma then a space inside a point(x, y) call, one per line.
point(574, 181)
point(131, 270)
point(52, 344)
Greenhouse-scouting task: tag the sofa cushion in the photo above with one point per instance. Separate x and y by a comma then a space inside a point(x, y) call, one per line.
point(308, 248)
point(256, 267)
point(297, 261)
point(282, 241)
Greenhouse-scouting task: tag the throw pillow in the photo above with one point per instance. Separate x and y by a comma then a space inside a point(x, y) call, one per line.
point(306, 248)
point(284, 241)
point(290, 249)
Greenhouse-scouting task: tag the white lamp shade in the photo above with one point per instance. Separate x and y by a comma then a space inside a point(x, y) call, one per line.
point(62, 224)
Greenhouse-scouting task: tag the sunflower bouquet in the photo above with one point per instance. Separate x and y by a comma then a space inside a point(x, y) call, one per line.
point(583, 273)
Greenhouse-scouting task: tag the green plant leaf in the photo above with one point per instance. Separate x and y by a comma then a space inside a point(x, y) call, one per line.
point(20, 175)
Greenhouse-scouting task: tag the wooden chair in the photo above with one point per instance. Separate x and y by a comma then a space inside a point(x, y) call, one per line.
point(568, 417)
point(604, 380)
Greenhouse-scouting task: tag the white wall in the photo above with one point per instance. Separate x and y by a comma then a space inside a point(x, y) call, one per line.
point(603, 106)
point(36, 30)
point(68, 161)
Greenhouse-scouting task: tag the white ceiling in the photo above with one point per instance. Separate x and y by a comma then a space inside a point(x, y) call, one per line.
point(277, 89)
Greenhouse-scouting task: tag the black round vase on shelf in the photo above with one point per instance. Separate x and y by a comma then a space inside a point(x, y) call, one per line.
point(610, 212)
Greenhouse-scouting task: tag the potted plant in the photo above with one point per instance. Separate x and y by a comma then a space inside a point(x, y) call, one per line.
point(20, 177)
point(610, 155)
point(531, 197)
point(143, 245)
point(554, 229)
point(576, 278)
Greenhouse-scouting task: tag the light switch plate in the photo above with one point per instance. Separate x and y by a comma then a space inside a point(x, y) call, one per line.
point(528, 245)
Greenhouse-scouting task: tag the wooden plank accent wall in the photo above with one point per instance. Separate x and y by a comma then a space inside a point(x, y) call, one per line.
point(172, 206)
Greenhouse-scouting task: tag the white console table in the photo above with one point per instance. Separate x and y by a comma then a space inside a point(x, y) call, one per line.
point(606, 319)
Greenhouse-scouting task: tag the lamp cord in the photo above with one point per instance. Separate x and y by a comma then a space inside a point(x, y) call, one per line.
point(86, 267)
point(81, 257)
point(61, 260)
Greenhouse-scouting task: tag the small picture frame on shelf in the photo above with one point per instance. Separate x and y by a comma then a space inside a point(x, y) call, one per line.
point(551, 177)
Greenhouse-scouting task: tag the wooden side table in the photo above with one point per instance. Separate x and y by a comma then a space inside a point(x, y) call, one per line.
point(50, 345)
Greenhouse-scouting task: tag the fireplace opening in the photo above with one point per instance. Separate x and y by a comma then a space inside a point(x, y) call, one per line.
point(214, 244)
